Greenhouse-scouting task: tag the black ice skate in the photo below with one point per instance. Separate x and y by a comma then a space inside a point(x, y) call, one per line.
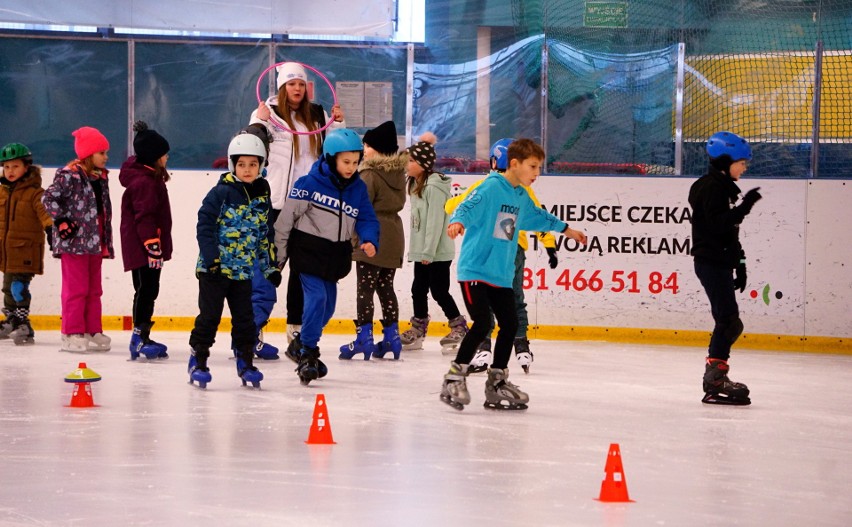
point(719, 389)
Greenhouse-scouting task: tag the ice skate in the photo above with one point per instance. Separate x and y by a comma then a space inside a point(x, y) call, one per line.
point(719, 389)
point(308, 367)
point(454, 390)
point(500, 394)
point(7, 325)
point(483, 357)
point(391, 341)
point(264, 350)
point(197, 368)
point(141, 344)
point(294, 352)
point(363, 343)
point(458, 329)
point(246, 371)
point(75, 343)
point(523, 353)
point(412, 338)
point(23, 334)
point(98, 342)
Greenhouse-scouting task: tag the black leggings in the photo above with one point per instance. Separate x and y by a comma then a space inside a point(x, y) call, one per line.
point(379, 280)
point(481, 299)
point(434, 277)
point(146, 286)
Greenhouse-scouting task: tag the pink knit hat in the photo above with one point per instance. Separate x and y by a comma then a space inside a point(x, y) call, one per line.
point(88, 141)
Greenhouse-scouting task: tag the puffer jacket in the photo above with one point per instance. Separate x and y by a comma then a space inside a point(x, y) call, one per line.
point(316, 226)
point(145, 214)
point(233, 228)
point(72, 196)
point(22, 223)
point(384, 177)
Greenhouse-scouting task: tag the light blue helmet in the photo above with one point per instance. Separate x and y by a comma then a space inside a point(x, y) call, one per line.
point(729, 144)
point(499, 155)
point(341, 140)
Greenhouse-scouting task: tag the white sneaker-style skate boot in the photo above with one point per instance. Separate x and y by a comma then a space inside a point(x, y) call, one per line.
point(483, 357)
point(454, 390)
point(500, 394)
point(75, 343)
point(98, 342)
point(523, 353)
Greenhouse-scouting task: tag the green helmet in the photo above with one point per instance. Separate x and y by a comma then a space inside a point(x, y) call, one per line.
point(15, 151)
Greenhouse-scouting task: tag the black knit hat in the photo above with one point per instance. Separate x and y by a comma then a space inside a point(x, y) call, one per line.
point(382, 139)
point(148, 144)
point(423, 152)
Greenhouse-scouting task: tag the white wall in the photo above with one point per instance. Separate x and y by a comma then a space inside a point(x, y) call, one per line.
point(795, 239)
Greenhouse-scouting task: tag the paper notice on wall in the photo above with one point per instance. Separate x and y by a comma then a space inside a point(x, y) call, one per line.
point(378, 103)
point(350, 96)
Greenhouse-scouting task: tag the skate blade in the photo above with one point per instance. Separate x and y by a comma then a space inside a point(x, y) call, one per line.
point(455, 404)
point(507, 406)
point(526, 368)
point(200, 385)
point(450, 350)
point(725, 400)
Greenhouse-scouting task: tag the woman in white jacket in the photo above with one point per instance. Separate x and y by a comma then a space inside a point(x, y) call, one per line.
point(290, 157)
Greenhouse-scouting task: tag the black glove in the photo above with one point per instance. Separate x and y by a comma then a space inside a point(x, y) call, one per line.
point(740, 277)
point(551, 257)
point(211, 270)
point(66, 228)
point(751, 197)
point(274, 278)
point(48, 232)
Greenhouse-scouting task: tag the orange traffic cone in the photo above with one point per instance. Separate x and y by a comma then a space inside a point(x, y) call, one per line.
point(320, 433)
point(614, 486)
point(82, 378)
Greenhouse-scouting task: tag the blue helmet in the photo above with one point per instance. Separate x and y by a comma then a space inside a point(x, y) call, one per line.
point(499, 155)
point(729, 144)
point(341, 140)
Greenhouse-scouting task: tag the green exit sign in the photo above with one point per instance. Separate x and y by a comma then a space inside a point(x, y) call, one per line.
point(605, 14)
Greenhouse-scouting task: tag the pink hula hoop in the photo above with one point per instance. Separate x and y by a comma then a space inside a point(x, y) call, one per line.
point(281, 126)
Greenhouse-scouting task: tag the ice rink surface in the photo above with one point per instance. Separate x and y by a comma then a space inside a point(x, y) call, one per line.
point(157, 451)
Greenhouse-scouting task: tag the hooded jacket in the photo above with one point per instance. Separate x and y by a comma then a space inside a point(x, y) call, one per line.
point(72, 196)
point(492, 216)
point(384, 177)
point(23, 220)
point(233, 229)
point(321, 215)
point(279, 173)
point(145, 214)
point(429, 241)
point(715, 219)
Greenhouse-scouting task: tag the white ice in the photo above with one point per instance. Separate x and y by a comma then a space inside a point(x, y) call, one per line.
point(157, 451)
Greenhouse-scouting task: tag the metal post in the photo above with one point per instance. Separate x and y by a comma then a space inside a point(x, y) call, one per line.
point(544, 99)
point(678, 137)
point(131, 92)
point(814, 172)
point(409, 93)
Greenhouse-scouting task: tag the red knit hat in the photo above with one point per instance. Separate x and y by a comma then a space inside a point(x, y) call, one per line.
point(88, 141)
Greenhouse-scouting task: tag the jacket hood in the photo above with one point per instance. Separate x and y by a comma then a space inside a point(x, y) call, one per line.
point(390, 168)
point(321, 172)
point(132, 169)
point(440, 182)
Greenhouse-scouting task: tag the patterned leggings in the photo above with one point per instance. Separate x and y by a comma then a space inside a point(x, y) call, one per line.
point(379, 280)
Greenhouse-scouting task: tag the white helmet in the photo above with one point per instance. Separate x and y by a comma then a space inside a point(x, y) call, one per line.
point(245, 145)
point(291, 71)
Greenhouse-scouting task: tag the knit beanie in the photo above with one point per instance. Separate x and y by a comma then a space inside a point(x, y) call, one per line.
point(423, 152)
point(290, 71)
point(88, 141)
point(382, 139)
point(148, 144)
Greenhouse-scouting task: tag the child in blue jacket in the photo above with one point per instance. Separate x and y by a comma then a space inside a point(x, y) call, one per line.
point(315, 230)
point(490, 219)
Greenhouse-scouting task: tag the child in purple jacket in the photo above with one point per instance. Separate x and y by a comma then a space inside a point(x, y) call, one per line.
point(78, 200)
point(146, 232)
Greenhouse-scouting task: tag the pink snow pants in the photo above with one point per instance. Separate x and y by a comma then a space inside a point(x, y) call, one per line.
point(81, 293)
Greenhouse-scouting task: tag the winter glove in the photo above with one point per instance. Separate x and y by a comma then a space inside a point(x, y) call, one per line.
point(48, 232)
point(274, 278)
point(66, 228)
point(751, 197)
point(740, 277)
point(210, 270)
point(551, 257)
point(155, 253)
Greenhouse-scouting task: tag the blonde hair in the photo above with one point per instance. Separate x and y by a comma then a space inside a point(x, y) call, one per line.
point(303, 115)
